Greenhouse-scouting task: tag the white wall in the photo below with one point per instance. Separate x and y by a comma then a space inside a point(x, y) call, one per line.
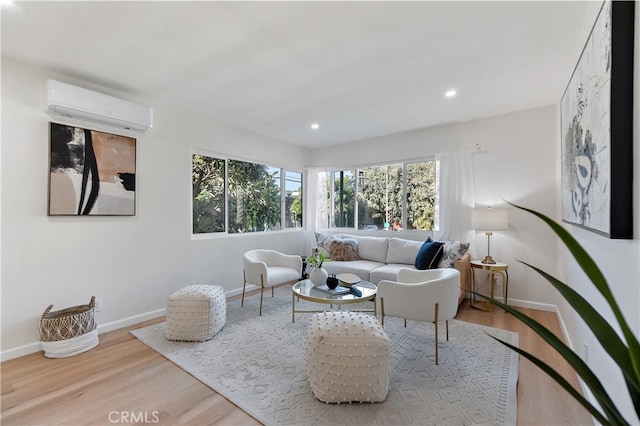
point(619, 261)
point(131, 263)
point(518, 166)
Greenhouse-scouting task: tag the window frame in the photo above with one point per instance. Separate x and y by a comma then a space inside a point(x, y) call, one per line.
point(282, 204)
point(404, 163)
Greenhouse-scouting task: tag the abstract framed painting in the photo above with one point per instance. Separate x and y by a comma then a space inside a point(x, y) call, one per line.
point(91, 173)
point(596, 114)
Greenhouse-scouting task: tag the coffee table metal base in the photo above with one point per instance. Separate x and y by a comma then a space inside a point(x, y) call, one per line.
point(305, 290)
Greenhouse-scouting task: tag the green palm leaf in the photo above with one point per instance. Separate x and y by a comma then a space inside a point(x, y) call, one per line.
point(597, 278)
point(625, 355)
point(605, 334)
point(582, 369)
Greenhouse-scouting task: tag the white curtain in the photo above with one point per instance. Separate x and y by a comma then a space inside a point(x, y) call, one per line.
point(455, 195)
point(317, 210)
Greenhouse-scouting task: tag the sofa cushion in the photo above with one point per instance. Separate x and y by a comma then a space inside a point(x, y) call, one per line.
point(371, 248)
point(361, 268)
point(388, 272)
point(429, 255)
point(344, 249)
point(403, 251)
point(452, 251)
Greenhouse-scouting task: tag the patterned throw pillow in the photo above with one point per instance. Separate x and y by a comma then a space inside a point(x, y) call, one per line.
point(323, 242)
point(345, 249)
point(452, 251)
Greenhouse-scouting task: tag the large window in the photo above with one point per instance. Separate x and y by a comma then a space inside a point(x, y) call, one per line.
point(237, 196)
point(390, 197)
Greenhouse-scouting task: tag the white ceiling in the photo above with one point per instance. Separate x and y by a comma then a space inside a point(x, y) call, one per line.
point(360, 69)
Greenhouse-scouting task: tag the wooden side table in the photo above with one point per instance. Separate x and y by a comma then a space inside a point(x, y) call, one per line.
point(493, 268)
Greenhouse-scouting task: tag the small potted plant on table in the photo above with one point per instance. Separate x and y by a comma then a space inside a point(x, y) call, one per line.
point(317, 274)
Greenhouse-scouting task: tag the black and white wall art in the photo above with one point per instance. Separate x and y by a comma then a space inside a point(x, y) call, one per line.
point(91, 172)
point(597, 128)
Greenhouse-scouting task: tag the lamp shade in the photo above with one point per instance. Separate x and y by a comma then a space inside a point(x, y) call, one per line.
point(490, 219)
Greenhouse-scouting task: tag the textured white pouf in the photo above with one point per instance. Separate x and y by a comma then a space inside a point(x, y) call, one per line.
point(348, 357)
point(196, 313)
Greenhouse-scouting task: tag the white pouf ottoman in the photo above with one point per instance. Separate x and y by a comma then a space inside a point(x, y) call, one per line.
point(348, 357)
point(196, 313)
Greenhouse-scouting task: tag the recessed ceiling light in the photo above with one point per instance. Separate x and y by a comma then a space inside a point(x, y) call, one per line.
point(315, 126)
point(450, 93)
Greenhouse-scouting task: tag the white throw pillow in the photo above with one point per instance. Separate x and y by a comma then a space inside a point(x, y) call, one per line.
point(371, 248)
point(403, 251)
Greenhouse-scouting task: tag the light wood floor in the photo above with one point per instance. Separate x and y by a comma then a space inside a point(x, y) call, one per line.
point(123, 380)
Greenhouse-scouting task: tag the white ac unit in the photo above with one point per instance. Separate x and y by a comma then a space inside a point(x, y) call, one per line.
point(72, 101)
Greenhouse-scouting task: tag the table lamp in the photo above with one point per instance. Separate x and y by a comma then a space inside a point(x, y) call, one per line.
point(489, 220)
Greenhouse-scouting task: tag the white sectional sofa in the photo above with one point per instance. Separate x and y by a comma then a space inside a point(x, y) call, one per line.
point(380, 258)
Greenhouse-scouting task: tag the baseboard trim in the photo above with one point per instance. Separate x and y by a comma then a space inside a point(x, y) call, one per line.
point(34, 347)
point(585, 389)
point(533, 305)
point(23, 350)
point(114, 325)
point(238, 291)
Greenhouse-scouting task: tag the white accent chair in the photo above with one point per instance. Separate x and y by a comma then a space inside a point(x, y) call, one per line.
point(267, 268)
point(430, 295)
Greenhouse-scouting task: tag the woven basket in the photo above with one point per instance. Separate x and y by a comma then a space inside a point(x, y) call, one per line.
point(68, 331)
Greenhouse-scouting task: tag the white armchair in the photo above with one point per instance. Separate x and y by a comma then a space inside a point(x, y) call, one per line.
point(266, 268)
point(430, 295)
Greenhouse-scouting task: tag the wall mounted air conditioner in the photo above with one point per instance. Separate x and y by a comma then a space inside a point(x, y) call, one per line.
point(72, 101)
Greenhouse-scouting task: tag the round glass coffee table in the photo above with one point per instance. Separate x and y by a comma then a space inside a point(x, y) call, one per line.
point(306, 290)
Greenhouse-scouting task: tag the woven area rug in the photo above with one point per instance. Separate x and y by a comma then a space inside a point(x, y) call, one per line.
point(258, 363)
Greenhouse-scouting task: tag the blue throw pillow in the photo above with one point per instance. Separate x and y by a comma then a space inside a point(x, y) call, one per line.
point(429, 255)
